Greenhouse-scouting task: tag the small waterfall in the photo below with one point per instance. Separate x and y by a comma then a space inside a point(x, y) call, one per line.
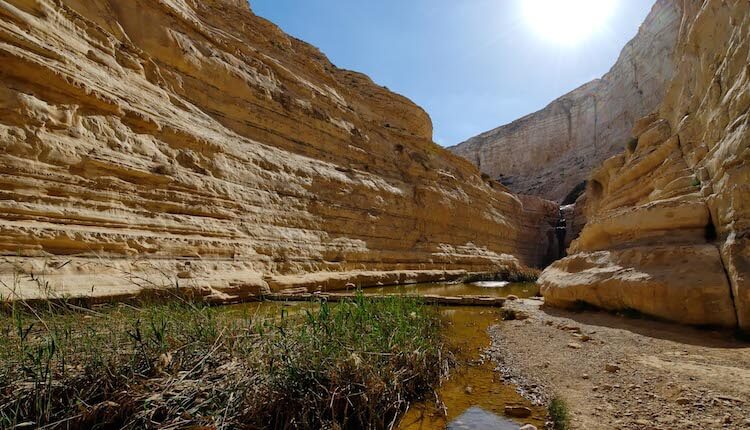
point(561, 231)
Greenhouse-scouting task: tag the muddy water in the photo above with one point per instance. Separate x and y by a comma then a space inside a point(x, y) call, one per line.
point(474, 397)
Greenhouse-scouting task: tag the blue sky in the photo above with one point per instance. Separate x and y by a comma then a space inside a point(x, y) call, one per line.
point(472, 64)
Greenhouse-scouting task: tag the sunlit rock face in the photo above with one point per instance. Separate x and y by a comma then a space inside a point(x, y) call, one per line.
point(189, 143)
point(549, 152)
point(669, 219)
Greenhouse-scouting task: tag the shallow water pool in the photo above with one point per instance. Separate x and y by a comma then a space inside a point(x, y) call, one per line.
point(494, 289)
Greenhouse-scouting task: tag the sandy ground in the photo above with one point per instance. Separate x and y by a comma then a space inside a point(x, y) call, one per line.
point(622, 373)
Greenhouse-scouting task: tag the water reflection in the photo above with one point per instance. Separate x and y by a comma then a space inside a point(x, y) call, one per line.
point(476, 418)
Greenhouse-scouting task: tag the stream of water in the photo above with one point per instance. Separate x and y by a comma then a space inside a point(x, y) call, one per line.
point(473, 397)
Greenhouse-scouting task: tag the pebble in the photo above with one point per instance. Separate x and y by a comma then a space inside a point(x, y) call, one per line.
point(585, 376)
point(571, 328)
point(612, 368)
point(528, 427)
point(683, 401)
point(574, 346)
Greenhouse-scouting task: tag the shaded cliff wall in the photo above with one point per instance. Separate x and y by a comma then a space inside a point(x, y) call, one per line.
point(549, 152)
point(669, 219)
point(153, 143)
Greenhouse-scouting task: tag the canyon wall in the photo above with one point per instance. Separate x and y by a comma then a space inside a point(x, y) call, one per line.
point(189, 143)
point(668, 230)
point(550, 152)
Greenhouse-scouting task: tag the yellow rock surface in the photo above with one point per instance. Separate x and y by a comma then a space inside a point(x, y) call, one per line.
point(669, 219)
point(163, 143)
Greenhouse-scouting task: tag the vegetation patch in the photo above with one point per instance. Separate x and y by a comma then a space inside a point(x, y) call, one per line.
point(357, 364)
point(558, 413)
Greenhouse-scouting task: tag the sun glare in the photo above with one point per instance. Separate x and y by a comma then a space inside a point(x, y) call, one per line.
point(567, 22)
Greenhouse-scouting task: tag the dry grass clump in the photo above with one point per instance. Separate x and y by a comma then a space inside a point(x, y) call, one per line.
point(184, 365)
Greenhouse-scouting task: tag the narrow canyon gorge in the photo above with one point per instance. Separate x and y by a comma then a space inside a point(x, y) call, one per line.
point(194, 144)
point(595, 252)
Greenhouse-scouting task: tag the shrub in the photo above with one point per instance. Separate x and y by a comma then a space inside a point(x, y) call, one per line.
point(558, 413)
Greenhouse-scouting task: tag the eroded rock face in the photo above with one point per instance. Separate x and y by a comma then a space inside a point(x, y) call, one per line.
point(551, 151)
point(669, 219)
point(163, 143)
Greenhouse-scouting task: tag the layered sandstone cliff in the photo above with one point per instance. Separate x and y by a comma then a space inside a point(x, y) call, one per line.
point(190, 143)
point(668, 230)
point(550, 152)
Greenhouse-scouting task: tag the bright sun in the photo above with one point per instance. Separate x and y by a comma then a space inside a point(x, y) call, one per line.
point(567, 21)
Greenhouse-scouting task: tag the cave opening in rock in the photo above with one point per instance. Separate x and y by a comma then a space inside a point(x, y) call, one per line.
point(575, 193)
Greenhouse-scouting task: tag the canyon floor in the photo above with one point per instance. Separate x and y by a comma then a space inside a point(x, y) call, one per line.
point(623, 373)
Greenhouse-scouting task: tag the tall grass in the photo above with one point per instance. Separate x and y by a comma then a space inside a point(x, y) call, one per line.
point(356, 364)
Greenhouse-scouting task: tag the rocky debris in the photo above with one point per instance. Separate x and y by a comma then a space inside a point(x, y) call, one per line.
point(551, 152)
point(191, 145)
point(659, 363)
point(668, 220)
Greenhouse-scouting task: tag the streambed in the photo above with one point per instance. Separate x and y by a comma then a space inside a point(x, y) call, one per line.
point(474, 397)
